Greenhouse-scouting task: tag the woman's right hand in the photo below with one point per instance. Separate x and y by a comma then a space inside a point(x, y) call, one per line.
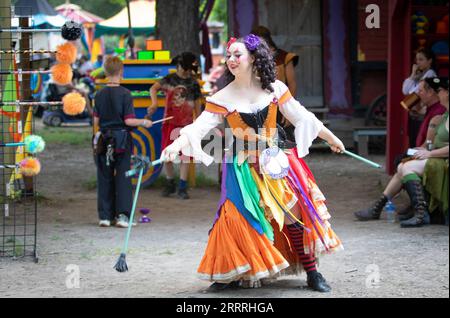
point(415, 68)
point(336, 145)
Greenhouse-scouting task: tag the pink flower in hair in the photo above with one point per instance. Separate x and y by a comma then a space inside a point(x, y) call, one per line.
point(231, 41)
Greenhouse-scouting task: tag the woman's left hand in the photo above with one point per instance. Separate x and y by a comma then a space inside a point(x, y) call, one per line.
point(422, 154)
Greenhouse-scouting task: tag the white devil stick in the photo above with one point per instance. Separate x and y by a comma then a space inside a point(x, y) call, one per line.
point(161, 120)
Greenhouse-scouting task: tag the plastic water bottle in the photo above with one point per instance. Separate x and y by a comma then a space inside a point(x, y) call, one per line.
point(389, 208)
point(429, 145)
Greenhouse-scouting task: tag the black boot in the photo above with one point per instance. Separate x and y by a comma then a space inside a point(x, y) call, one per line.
point(169, 188)
point(182, 194)
point(218, 287)
point(316, 281)
point(419, 203)
point(374, 212)
point(406, 213)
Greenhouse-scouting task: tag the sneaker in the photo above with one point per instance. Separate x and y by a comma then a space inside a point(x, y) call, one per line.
point(169, 188)
point(182, 194)
point(122, 221)
point(104, 223)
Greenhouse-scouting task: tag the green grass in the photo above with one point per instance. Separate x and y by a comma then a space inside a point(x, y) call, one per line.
point(40, 198)
point(12, 242)
point(55, 238)
point(90, 184)
point(167, 252)
point(17, 197)
point(201, 181)
point(64, 135)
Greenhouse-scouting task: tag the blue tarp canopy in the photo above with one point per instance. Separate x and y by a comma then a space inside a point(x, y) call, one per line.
point(44, 16)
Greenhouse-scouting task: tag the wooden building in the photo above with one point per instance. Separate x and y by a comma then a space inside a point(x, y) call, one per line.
point(347, 69)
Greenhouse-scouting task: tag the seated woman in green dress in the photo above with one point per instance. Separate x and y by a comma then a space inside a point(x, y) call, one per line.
point(409, 173)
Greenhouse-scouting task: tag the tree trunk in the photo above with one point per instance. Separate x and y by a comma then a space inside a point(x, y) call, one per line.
point(177, 25)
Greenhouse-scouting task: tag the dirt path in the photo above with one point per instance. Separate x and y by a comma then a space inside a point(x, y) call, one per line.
point(165, 254)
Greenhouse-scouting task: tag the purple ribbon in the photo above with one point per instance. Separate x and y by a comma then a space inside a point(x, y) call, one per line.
point(309, 205)
point(223, 190)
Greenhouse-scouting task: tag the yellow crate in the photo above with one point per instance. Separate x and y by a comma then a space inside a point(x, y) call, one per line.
point(162, 55)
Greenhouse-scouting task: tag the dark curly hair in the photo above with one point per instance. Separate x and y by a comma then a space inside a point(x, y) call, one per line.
point(187, 60)
point(264, 65)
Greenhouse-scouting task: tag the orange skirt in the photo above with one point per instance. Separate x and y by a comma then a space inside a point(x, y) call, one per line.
point(236, 251)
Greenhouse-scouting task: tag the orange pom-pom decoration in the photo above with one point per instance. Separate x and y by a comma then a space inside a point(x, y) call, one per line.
point(30, 167)
point(66, 53)
point(73, 104)
point(62, 74)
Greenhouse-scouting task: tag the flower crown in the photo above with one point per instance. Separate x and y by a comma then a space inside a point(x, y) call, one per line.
point(251, 42)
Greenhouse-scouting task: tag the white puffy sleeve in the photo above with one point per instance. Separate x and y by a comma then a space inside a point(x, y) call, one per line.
point(410, 86)
point(307, 126)
point(195, 132)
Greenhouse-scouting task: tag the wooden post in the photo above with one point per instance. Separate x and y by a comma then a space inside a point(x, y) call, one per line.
point(25, 86)
point(399, 66)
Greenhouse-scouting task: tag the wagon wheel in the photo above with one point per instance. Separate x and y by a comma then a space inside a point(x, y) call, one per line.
point(376, 115)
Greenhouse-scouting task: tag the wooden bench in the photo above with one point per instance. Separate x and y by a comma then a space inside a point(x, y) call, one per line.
point(361, 137)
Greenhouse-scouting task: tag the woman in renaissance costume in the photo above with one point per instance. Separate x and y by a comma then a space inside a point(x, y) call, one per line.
point(272, 218)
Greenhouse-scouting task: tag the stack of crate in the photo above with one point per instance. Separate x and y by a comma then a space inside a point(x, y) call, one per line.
point(154, 51)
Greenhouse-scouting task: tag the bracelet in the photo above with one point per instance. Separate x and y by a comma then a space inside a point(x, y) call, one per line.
point(144, 123)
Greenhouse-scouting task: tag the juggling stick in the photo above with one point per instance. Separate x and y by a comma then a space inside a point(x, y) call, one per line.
point(161, 120)
point(140, 164)
point(27, 52)
point(28, 167)
point(23, 30)
point(70, 31)
point(73, 103)
point(366, 161)
point(65, 53)
point(62, 73)
point(22, 103)
point(24, 72)
point(33, 144)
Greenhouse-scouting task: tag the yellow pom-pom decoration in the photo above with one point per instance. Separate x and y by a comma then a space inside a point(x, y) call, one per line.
point(62, 74)
point(66, 53)
point(73, 104)
point(30, 167)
